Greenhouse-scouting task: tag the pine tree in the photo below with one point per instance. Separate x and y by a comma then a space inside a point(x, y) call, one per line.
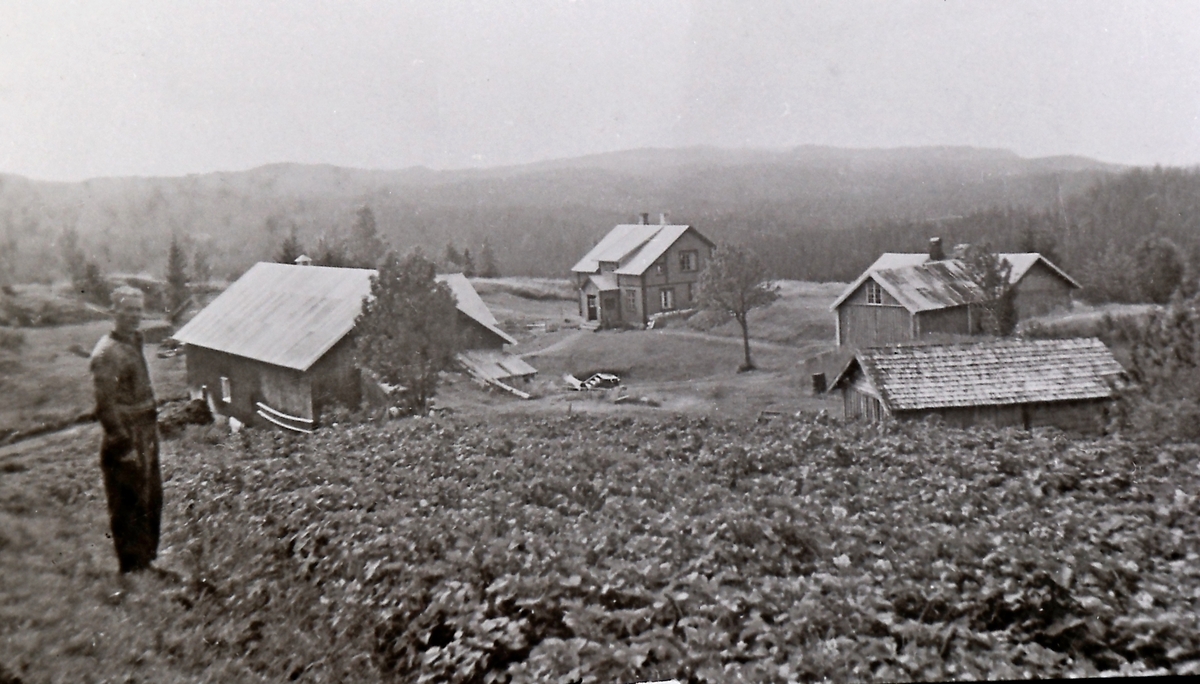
point(468, 264)
point(453, 257)
point(177, 277)
point(407, 331)
point(289, 249)
point(490, 269)
point(734, 282)
point(201, 270)
point(365, 247)
point(74, 260)
point(331, 252)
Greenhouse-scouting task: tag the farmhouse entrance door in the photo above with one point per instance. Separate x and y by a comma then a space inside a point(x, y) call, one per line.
point(591, 307)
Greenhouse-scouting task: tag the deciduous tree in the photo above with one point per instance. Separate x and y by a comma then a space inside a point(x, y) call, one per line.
point(993, 275)
point(407, 331)
point(734, 282)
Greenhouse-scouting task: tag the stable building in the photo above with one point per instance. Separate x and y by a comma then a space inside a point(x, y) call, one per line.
point(638, 271)
point(906, 297)
point(1065, 383)
point(277, 346)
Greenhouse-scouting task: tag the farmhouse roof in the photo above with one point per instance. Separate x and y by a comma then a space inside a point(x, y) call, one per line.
point(620, 242)
point(633, 247)
point(921, 285)
point(290, 315)
point(990, 373)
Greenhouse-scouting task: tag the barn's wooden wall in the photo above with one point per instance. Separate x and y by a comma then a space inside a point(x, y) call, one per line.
point(1041, 291)
point(283, 389)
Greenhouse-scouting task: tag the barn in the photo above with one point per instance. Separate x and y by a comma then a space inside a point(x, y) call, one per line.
point(276, 346)
point(1065, 383)
point(907, 297)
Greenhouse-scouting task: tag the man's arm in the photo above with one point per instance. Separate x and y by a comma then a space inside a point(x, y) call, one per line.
point(106, 376)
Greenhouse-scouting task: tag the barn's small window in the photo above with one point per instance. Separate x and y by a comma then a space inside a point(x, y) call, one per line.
point(226, 390)
point(689, 260)
point(668, 299)
point(660, 267)
point(874, 293)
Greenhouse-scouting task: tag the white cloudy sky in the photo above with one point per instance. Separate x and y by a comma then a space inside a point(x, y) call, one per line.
point(133, 87)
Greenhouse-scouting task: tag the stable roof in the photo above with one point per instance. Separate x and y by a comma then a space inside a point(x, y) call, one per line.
point(988, 373)
point(289, 315)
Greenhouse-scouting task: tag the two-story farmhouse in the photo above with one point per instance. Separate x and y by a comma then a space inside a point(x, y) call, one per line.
point(907, 297)
point(639, 270)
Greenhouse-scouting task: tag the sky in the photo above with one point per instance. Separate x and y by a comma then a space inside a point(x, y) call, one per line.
point(151, 88)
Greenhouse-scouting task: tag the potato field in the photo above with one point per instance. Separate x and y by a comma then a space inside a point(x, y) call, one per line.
point(624, 549)
point(620, 550)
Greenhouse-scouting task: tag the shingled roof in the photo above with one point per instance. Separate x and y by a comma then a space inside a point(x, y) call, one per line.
point(989, 373)
point(291, 315)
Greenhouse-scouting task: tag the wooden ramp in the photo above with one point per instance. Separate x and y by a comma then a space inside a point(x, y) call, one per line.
point(497, 369)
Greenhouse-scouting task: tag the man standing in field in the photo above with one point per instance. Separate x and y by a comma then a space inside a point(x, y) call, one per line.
point(125, 406)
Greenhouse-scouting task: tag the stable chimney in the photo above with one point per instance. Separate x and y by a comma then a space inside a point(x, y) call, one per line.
point(645, 218)
point(935, 249)
point(663, 217)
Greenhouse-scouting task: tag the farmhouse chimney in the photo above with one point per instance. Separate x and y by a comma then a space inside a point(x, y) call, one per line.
point(662, 218)
point(645, 218)
point(935, 249)
point(303, 260)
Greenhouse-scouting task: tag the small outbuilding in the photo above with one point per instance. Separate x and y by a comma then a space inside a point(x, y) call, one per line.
point(1065, 383)
point(277, 347)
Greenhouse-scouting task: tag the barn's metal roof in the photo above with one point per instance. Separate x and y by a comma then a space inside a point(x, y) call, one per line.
point(989, 373)
point(290, 315)
point(921, 285)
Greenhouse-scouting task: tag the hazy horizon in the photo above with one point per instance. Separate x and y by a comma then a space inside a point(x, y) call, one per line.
point(104, 89)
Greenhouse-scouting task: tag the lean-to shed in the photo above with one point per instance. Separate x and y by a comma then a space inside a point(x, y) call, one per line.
point(1028, 383)
point(276, 346)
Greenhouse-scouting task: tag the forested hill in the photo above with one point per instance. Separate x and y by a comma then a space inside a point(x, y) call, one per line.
point(538, 218)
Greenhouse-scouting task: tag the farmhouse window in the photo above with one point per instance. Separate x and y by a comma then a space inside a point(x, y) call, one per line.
point(688, 260)
point(874, 293)
point(226, 390)
point(668, 299)
point(631, 299)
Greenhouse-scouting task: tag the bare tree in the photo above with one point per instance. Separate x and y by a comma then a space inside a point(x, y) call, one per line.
point(735, 282)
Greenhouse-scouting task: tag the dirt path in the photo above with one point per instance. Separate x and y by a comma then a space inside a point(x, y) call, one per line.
point(561, 344)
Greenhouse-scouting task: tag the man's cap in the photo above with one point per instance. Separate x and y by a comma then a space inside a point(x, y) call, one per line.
point(126, 298)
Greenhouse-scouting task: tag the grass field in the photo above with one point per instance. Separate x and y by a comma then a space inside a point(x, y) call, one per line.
point(46, 383)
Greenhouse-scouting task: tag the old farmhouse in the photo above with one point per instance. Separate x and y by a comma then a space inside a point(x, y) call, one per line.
point(639, 270)
point(907, 297)
point(1026, 383)
point(276, 346)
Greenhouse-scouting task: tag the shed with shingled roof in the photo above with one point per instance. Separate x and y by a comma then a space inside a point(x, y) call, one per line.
point(1066, 383)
